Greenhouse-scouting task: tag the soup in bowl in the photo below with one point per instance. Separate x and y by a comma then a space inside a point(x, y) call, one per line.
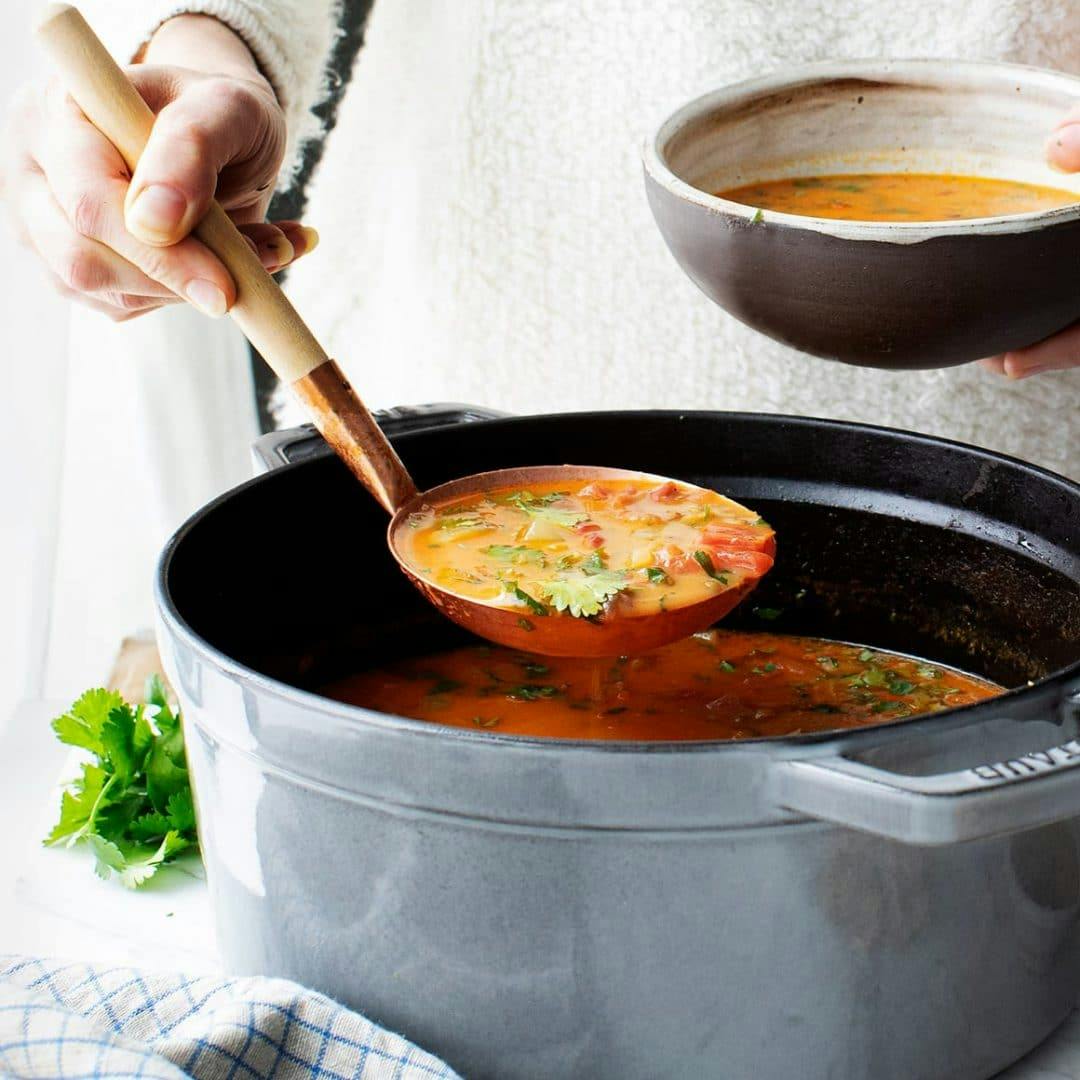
point(900, 196)
point(887, 214)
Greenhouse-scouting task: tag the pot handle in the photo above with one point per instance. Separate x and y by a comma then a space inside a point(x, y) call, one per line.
point(1036, 788)
point(276, 449)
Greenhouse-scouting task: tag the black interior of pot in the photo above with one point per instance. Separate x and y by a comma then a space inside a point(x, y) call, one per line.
point(886, 539)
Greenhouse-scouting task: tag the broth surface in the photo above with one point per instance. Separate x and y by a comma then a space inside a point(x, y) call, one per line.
point(585, 547)
point(899, 196)
point(715, 685)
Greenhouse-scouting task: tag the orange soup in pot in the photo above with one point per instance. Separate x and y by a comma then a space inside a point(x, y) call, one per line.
point(715, 685)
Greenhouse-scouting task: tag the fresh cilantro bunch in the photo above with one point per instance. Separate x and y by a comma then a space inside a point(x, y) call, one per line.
point(133, 806)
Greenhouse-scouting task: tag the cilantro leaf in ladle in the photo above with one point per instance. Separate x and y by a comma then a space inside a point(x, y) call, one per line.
point(541, 508)
point(582, 590)
point(583, 594)
point(517, 554)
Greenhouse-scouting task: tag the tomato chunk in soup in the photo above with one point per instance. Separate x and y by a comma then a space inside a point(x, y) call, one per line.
point(584, 548)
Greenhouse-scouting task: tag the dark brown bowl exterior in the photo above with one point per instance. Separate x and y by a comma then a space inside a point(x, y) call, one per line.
point(556, 633)
point(940, 302)
point(888, 294)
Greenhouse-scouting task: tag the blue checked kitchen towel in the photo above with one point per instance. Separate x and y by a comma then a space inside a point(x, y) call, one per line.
point(69, 1020)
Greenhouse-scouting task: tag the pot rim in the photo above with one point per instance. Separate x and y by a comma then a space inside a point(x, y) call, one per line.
point(846, 740)
point(943, 73)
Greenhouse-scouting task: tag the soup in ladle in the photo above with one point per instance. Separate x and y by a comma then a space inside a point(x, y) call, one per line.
point(590, 548)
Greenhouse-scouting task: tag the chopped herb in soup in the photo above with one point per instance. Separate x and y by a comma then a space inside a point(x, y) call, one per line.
point(585, 548)
point(715, 685)
point(899, 196)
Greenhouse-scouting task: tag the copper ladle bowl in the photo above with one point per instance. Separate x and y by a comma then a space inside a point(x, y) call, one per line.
point(557, 634)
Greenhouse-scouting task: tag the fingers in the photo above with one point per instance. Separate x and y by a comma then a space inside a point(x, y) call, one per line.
point(211, 124)
point(281, 243)
point(116, 313)
point(1063, 146)
point(39, 224)
point(80, 267)
point(1057, 353)
point(82, 264)
point(89, 181)
point(67, 190)
point(87, 270)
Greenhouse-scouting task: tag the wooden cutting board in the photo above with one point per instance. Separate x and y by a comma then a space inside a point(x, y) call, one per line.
point(136, 661)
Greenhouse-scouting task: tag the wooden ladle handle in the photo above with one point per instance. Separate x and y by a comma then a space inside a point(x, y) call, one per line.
point(262, 311)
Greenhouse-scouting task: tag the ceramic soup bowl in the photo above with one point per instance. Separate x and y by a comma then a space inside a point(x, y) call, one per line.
point(898, 294)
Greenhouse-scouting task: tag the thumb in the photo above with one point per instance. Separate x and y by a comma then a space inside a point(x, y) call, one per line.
point(209, 125)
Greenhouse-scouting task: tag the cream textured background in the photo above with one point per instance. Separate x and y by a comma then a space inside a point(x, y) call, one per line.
point(489, 240)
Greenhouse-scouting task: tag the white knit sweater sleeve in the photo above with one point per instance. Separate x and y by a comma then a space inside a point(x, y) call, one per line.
point(290, 39)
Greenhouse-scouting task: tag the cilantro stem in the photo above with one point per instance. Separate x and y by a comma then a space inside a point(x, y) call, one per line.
point(91, 820)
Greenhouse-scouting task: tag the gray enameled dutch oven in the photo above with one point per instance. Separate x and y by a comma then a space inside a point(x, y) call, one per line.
point(899, 902)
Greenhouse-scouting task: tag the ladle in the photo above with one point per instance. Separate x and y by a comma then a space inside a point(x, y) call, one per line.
point(275, 329)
